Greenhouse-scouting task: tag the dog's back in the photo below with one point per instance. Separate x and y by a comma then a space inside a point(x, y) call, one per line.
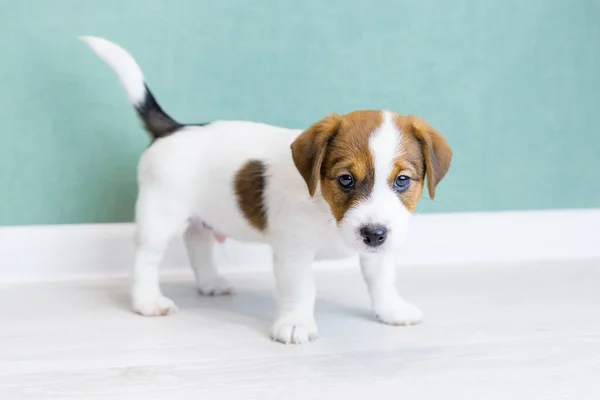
point(192, 168)
point(196, 169)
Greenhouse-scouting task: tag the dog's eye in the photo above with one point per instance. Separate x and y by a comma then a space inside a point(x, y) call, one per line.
point(346, 181)
point(401, 183)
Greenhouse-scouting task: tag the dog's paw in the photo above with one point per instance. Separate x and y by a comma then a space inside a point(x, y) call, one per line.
point(399, 313)
point(294, 330)
point(216, 286)
point(154, 306)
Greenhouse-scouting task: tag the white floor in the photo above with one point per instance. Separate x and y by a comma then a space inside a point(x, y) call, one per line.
point(491, 332)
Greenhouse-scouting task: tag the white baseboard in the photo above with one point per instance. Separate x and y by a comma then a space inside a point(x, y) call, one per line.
point(67, 252)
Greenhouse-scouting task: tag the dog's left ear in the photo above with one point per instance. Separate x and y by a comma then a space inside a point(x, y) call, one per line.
point(308, 150)
point(436, 152)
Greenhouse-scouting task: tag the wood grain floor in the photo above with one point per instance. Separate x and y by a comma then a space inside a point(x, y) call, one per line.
point(491, 332)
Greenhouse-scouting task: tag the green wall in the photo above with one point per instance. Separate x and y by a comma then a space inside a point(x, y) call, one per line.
point(513, 85)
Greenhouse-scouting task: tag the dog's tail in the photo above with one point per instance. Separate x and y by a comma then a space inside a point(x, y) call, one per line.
point(157, 122)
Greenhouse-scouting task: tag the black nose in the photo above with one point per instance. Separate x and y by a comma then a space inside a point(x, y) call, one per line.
point(373, 235)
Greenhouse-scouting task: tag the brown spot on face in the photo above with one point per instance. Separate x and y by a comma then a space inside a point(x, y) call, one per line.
point(339, 145)
point(249, 186)
point(349, 153)
point(410, 197)
point(335, 146)
point(408, 163)
point(426, 149)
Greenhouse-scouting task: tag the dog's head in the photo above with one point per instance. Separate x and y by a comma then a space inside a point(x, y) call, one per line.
point(370, 167)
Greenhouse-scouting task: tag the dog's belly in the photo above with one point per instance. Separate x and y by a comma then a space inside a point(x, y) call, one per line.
point(224, 219)
point(223, 232)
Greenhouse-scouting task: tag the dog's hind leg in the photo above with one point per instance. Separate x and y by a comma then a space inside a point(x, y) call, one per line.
point(200, 242)
point(158, 219)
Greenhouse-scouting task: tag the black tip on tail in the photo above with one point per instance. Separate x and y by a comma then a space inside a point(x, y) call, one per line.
point(157, 122)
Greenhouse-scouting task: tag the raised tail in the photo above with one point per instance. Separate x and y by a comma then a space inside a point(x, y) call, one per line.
point(157, 122)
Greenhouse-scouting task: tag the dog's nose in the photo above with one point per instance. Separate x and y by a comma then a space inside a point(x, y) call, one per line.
point(373, 235)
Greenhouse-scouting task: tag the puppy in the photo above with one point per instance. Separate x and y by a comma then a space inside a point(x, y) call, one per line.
point(346, 185)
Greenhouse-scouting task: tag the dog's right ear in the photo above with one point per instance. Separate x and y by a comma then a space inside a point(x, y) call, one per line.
point(308, 150)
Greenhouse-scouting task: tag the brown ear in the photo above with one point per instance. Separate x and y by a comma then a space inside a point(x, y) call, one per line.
point(308, 150)
point(436, 152)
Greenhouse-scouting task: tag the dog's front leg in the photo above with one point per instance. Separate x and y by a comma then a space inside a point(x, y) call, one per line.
point(295, 290)
point(379, 273)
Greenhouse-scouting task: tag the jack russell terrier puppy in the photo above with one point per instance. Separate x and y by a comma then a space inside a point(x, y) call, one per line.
point(346, 185)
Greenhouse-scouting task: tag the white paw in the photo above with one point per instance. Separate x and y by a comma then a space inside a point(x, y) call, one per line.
point(398, 312)
point(294, 330)
point(154, 306)
point(215, 286)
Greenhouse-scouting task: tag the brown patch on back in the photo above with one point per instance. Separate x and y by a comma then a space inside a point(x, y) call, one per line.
point(249, 186)
point(348, 153)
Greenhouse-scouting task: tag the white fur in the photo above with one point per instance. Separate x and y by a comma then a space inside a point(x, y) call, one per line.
point(186, 178)
point(122, 63)
point(380, 276)
point(382, 207)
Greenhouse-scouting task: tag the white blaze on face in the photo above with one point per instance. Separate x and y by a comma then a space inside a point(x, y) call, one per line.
point(383, 206)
